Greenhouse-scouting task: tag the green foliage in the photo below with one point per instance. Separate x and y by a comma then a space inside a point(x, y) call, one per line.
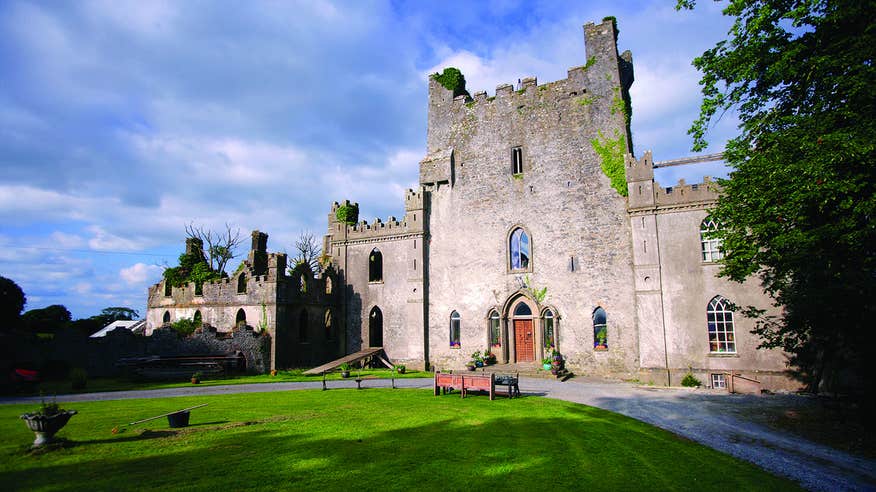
point(690, 381)
point(613, 20)
point(798, 211)
point(192, 268)
point(453, 80)
point(50, 319)
point(585, 101)
point(345, 366)
point(611, 152)
point(348, 214)
point(12, 301)
point(78, 378)
point(590, 62)
point(184, 326)
point(621, 103)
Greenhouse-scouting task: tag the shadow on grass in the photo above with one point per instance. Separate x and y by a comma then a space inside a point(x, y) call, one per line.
point(576, 448)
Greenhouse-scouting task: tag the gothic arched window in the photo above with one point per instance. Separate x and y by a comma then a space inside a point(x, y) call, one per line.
point(549, 328)
point(600, 329)
point(241, 284)
point(520, 249)
point(722, 336)
point(375, 266)
point(454, 329)
point(495, 334)
point(711, 246)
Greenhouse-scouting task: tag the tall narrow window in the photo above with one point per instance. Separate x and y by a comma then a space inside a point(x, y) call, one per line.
point(722, 338)
point(328, 284)
point(240, 319)
point(241, 284)
point(454, 329)
point(516, 160)
point(711, 246)
point(600, 329)
point(375, 327)
point(197, 319)
point(302, 284)
point(375, 266)
point(519, 247)
point(550, 337)
point(329, 332)
point(495, 335)
point(302, 326)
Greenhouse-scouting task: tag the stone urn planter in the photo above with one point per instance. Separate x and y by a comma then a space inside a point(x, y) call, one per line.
point(46, 426)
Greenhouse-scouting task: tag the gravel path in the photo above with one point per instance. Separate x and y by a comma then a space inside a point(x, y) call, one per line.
point(711, 418)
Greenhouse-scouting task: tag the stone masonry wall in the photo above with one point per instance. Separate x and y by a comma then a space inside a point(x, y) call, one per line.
point(563, 200)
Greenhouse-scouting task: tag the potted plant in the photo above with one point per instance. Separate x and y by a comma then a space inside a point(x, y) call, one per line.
point(556, 362)
point(196, 377)
point(345, 370)
point(477, 359)
point(601, 339)
point(546, 363)
point(400, 368)
point(470, 365)
point(489, 358)
point(273, 372)
point(46, 422)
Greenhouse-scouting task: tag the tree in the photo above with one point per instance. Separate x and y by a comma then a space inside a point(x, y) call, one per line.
point(221, 246)
point(119, 313)
point(798, 209)
point(12, 301)
point(309, 252)
point(49, 319)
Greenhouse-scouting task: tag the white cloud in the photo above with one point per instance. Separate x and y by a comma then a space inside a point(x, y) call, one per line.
point(140, 273)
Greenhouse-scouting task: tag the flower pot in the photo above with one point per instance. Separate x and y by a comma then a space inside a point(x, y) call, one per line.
point(196, 381)
point(178, 419)
point(470, 368)
point(479, 364)
point(400, 370)
point(546, 367)
point(345, 374)
point(44, 427)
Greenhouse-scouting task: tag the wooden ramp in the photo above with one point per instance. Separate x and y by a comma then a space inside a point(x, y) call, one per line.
point(362, 354)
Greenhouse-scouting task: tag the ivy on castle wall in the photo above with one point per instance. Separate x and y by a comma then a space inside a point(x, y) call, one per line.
point(453, 80)
point(191, 268)
point(348, 214)
point(611, 153)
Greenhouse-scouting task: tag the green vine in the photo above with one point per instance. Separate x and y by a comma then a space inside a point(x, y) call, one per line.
point(537, 294)
point(348, 214)
point(590, 62)
point(585, 101)
point(611, 152)
point(452, 80)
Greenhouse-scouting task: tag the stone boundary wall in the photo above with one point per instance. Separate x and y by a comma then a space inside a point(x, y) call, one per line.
point(98, 356)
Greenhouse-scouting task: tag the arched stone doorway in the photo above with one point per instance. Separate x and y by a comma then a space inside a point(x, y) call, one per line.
point(522, 330)
point(375, 327)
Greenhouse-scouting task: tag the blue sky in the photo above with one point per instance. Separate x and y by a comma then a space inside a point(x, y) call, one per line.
point(121, 122)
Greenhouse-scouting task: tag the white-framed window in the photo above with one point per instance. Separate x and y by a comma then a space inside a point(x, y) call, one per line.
point(600, 329)
point(719, 317)
point(711, 246)
point(718, 381)
point(517, 160)
point(454, 329)
point(549, 330)
point(520, 250)
point(495, 335)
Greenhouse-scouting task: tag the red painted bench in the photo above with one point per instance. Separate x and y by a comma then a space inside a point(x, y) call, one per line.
point(447, 382)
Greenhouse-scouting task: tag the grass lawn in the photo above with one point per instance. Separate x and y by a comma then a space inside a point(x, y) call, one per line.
point(370, 439)
point(295, 375)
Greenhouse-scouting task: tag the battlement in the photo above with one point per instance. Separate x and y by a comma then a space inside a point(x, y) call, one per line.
point(412, 222)
point(592, 87)
point(639, 169)
point(683, 193)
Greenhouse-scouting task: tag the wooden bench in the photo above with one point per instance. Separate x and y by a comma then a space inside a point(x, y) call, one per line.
point(512, 382)
point(445, 383)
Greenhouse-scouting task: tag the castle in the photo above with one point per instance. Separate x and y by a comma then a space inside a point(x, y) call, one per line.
point(533, 229)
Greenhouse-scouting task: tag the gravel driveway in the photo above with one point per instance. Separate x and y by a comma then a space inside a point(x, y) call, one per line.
point(711, 418)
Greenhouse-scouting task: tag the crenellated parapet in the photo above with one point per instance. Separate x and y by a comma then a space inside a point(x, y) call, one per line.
point(411, 223)
point(687, 194)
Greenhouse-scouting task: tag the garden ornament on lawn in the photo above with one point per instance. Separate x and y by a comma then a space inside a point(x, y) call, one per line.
point(178, 418)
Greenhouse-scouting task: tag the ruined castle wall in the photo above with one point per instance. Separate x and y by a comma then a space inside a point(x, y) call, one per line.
point(563, 200)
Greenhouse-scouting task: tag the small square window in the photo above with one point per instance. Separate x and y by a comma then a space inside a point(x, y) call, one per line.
point(718, 381)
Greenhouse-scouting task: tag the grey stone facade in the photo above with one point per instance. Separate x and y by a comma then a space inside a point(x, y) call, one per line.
point(638, 258)
point(299, 312)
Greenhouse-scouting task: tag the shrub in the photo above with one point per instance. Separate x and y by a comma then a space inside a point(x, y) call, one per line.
point(78, 378)
point(184, 326)
point(690, 381)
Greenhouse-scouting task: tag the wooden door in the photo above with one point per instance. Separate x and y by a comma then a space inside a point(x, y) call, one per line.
point(524, 347)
